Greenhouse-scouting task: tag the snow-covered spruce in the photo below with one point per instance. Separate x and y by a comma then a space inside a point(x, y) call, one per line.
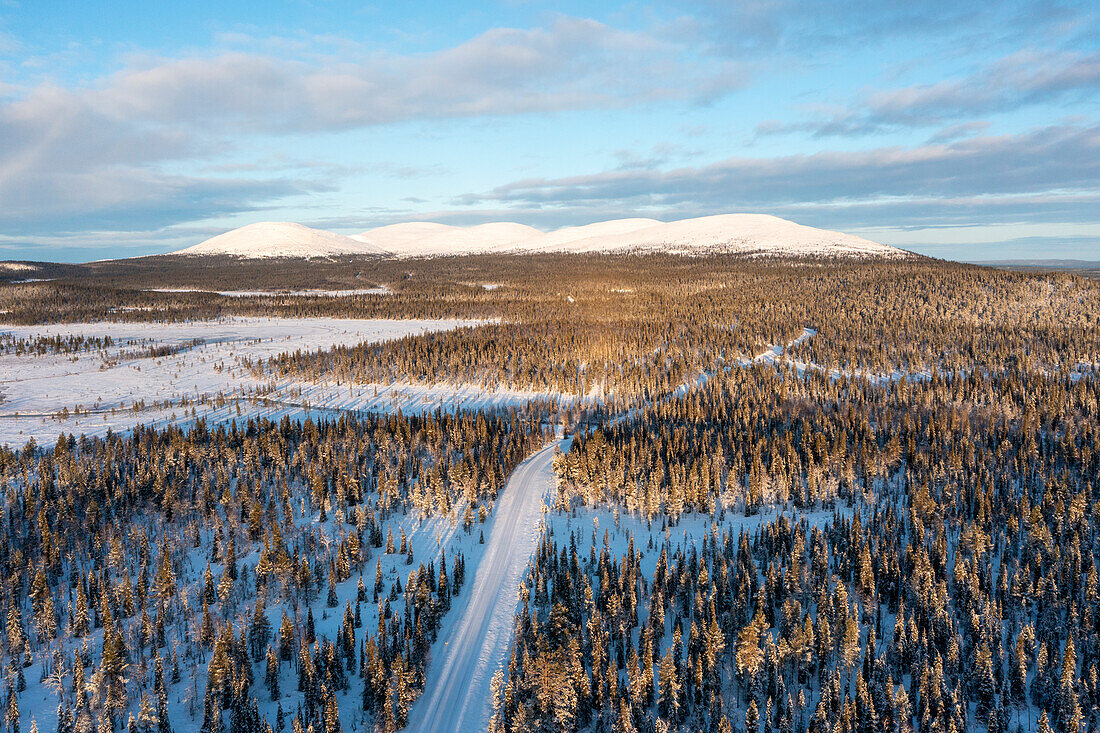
point(690, 579)
point(268, 574)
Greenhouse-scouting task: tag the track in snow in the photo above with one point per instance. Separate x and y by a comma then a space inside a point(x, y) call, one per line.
point(457, 696)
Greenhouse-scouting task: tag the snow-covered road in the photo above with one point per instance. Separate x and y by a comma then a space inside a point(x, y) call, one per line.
point(456, 693)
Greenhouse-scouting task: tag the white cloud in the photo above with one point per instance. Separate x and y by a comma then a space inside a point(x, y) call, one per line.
point(84, 154)
point(1020, 79)
point(572, 64)
point(1009, 175)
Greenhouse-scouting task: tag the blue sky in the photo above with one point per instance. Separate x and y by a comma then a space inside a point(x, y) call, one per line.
point(969, 131)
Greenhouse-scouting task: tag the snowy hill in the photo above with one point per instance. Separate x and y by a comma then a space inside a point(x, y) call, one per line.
point(560, 239)
point(753, 234)
point(428, 239)
point(280, 239)
point(739, 233)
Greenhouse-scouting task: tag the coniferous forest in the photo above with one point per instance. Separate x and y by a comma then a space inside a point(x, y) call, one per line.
point(796, 495)
point(952, 584)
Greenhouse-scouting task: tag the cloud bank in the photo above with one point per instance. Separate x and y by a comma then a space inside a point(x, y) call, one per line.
point(94, 156)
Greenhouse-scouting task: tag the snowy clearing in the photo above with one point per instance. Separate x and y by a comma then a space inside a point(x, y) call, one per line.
point(116, 388)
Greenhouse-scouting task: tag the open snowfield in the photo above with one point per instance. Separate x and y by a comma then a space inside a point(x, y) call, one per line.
point(91, 392)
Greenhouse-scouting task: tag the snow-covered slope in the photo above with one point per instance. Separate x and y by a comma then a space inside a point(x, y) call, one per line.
point(739, 233)
point(280, 239)
point(742, 233)
point(401, 236)
point(428, 239)
point(755, 234)
point(562, 238)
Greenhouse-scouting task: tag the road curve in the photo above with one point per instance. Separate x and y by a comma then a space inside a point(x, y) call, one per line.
point(456, 693)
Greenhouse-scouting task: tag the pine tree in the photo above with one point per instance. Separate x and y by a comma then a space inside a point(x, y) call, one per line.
point(45, 619)
point(748, 655)
point(985, 683)
point(1069, 708)
point(147, 716)
point(163, 724)
point(66, 723)
point(113, 663)
point(271, 676)
point(17, 638)
point(1019, 672)
point(669, 687)
point(752, 718)
point(332, 600)
point(626, 717)
point(849, 643)
point(79, 624)
point(287, 641)
point(259, 631)
point(225, 585)
point(208, 593)
point(12, 716)
point(165, 585)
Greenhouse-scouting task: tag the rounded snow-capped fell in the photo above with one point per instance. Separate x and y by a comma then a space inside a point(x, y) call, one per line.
point(559, 239)
point(429, 239)
point(280, 239)
point(749, 234)
point(755, 234)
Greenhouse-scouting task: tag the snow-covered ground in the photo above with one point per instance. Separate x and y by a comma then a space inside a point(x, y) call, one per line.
point(605, 231)
point(107, 383)
point(300, 293)
point(280, 239)
point(91, 392)
point(476, 636)
point(430, 538)
point(470, 649)
point(426, 239)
